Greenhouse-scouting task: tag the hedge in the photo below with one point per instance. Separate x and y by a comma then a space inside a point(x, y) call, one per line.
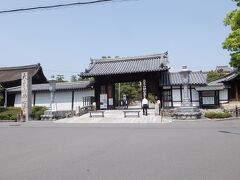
point(38, 111)
point(11, 113)
point(213, 115)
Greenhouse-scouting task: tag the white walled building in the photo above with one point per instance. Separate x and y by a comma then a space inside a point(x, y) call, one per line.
point(68, 95)
point(172, 88)
point(201, 93)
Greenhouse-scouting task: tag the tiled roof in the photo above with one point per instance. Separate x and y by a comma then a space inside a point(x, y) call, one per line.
point(150, 63)
point(174, 78)
point(218, 84)
point(10, 74)
point(230, 76)
point(59, 86)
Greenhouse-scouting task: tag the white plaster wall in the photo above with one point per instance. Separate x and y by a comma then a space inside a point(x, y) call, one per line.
point(176, 95)
point(195, 95)
point(63, 99)
point(42, 99)
point(78, 97)
point(195, 103)
point(176, 104)
point(223, 96)
point(17, 102)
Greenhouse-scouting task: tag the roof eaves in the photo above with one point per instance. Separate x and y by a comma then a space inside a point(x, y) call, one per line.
point(20, 67)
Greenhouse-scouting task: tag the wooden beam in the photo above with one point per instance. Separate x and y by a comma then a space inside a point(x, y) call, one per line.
point(181, 92)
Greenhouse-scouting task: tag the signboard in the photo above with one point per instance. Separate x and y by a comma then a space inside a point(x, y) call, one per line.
point(144, 87)
point(54, 106)
point(110, 101)
point(103, 101)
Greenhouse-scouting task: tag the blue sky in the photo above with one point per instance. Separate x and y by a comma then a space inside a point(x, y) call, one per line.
point(63, 40)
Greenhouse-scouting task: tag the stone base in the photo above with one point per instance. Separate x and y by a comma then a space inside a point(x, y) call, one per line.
point(187, 112)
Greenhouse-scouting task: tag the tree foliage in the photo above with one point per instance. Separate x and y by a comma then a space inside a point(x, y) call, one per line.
point(232, 42)
point(60, 78)
point(77, 78)
point(213, 75)
point(131, 89)
point(74, 78)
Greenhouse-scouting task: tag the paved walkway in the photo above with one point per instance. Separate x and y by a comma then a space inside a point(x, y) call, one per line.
point(117, 116)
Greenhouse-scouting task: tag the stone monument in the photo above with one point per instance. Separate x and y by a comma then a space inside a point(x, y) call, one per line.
point(26, 95)
point(186, 110)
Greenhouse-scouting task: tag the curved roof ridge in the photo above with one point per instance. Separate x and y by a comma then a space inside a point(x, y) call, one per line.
point(103, 60)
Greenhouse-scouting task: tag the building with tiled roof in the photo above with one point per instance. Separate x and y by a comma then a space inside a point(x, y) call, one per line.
point(68, 95)
point(153, 73)
point(11, 77)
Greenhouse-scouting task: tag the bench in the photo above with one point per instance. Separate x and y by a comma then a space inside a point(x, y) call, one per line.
point(91, 113)
point(131, 112)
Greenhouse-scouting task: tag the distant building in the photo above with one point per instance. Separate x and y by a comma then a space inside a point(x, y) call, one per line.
point(225, 69)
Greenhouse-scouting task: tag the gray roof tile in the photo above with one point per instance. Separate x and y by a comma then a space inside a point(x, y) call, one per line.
point(174, 78)
point(59, 86)
point(150, 63)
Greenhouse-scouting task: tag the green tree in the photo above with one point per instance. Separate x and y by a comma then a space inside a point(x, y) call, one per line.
point(213, 75)
point(131, 89)
point(74, 78)
point(232, 42)
point(60, 78)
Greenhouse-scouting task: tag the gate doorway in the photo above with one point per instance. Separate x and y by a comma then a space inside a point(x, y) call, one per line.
point(128, 95)
point(130, 72)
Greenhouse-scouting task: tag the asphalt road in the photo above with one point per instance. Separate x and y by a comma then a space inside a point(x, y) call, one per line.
point(176, 151)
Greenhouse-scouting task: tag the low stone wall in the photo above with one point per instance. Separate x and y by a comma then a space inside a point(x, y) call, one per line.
point(51, 115)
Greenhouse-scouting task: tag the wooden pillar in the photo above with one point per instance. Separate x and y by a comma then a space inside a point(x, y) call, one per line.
point(181, 93)
point(5, 98)
point(97, 95)
point(110, 96)
point(34, 98)
point(200, 98)
point(158, 89)
point(72, 100)
point(236, 89)
point(190, 93)
point(113, 91)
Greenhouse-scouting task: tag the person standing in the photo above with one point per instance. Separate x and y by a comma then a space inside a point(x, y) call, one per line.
point(145, 105)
